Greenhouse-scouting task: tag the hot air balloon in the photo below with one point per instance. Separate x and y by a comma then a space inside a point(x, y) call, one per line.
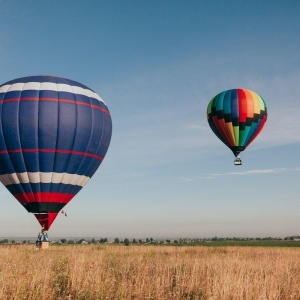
point(54, 134)
point(236, 117)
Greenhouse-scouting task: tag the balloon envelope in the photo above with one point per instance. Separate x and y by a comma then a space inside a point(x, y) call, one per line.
point(54, 134)
point(236, 117)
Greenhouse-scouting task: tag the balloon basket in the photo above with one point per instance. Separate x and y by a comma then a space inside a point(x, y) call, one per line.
point(238, 161)
point(43, 245)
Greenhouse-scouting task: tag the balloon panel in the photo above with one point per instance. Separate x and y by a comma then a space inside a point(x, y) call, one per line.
point(46, 220)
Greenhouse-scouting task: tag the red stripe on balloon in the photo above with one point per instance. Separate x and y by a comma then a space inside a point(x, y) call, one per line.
point(52, 151)
point(242, 105)
point(44, 197)
point(54, 100)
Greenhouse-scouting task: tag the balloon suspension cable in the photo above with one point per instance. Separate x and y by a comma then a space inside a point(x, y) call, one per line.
point(238, 160)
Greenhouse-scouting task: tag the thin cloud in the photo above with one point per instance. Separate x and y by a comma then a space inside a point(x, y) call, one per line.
point(251, 172)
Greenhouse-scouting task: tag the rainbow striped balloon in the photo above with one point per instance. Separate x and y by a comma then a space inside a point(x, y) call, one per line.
point(236, 117)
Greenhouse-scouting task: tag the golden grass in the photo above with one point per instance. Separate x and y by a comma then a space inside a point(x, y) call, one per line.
point(149, 272)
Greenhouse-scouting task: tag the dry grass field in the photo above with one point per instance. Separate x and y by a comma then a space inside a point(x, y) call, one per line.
point(149, 272)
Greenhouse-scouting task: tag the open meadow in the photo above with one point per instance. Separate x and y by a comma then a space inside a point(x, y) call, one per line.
point(149, 272)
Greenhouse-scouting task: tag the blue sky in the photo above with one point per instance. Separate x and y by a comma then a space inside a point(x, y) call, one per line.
point(157, 64)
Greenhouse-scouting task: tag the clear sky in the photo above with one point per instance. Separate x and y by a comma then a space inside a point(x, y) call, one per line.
point(157, 64)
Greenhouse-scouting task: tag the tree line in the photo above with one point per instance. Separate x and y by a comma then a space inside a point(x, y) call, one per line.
point(127, 241)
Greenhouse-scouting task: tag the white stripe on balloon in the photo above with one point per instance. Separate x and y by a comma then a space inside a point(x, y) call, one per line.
point(44, 177)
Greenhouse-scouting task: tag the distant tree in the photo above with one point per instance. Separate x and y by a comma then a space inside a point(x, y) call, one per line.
point(71, 242)
point(24, 242)
point(151, 240)
point(168, 241)
point(134, 241)
point(93, 241)
point(80, 241)
point(147, 240)
point(140, 241)
point(116, 241)
point(63, 241)
point(13, 241)
point(175, 242)
point(126, 242)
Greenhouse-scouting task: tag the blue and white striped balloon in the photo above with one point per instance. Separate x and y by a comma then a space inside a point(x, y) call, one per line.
point(54, 135)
